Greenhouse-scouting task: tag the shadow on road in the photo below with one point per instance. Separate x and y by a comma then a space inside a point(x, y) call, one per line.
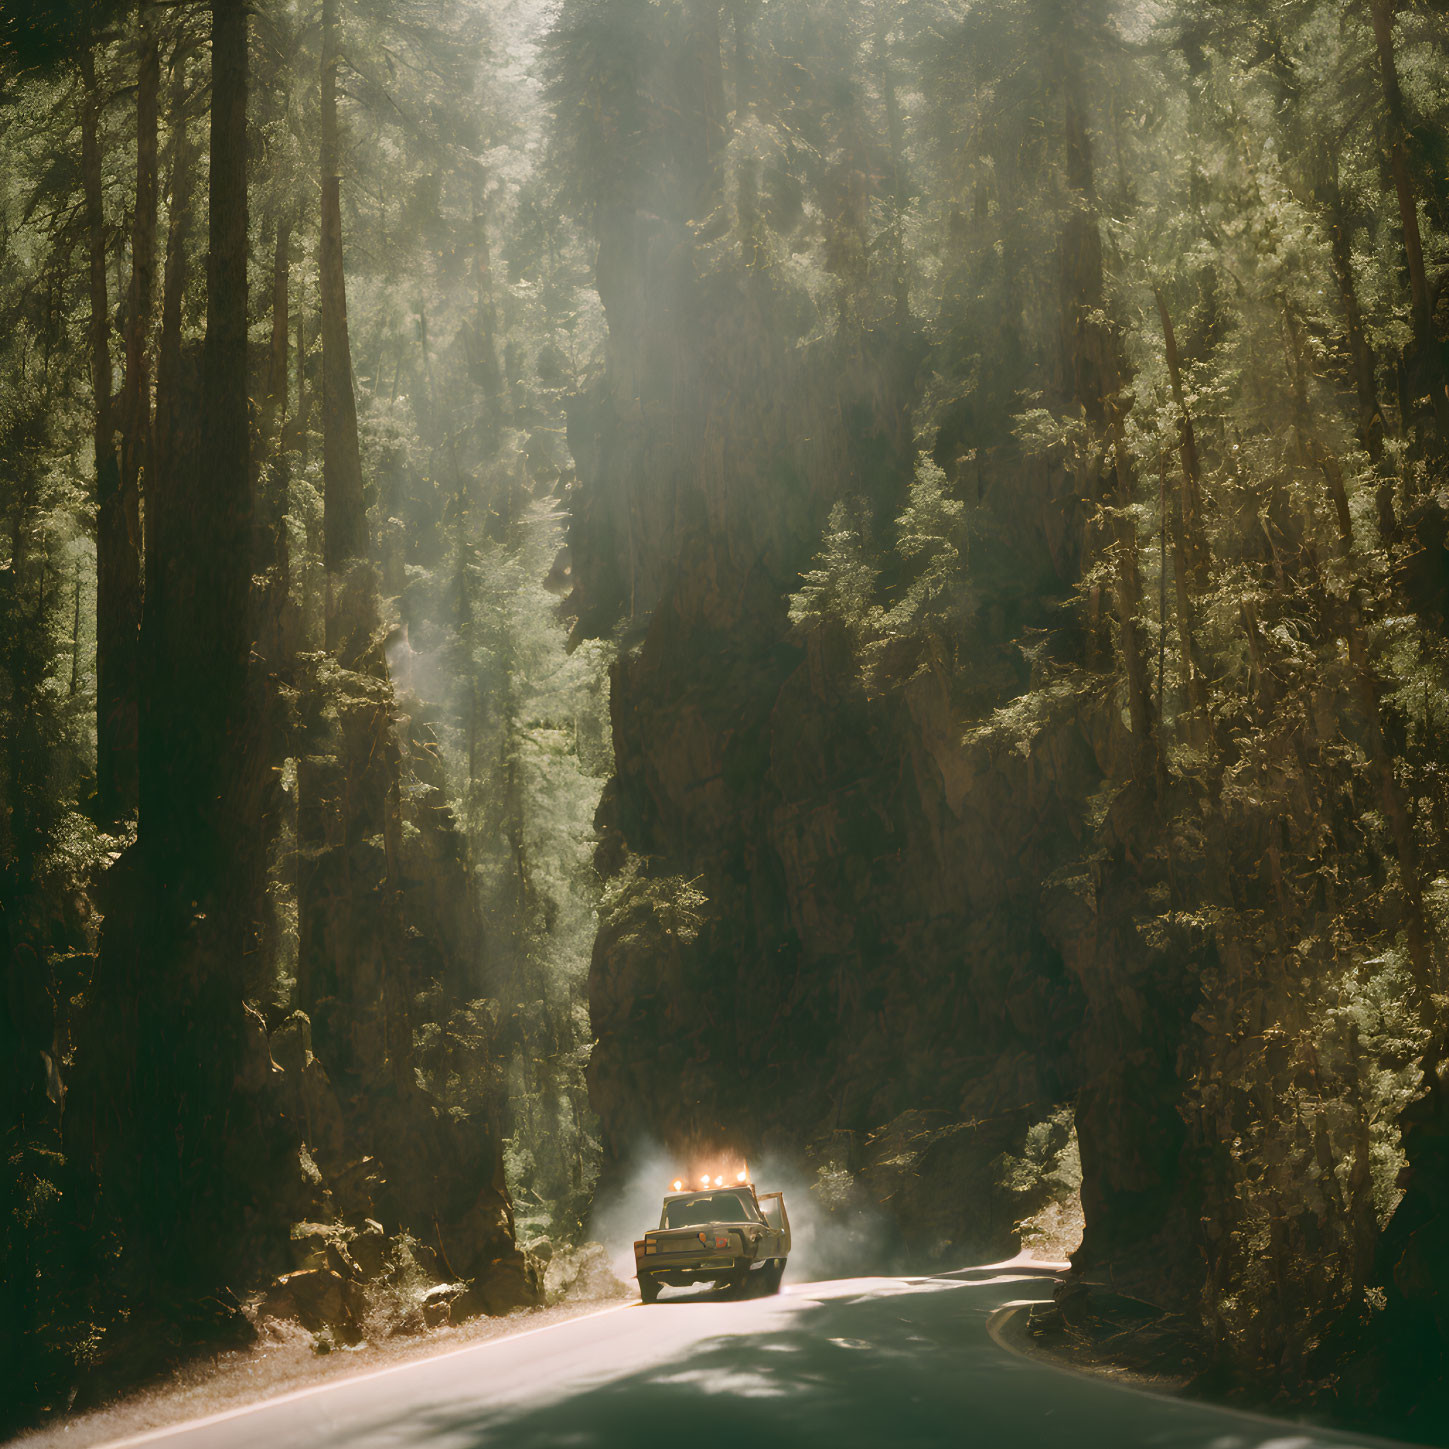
point(907, 1363)
point(753, 1287)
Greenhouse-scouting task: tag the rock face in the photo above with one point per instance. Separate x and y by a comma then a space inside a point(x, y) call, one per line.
point(848, 920)
point(835, 937)
point(806, 874)
point(893, 876)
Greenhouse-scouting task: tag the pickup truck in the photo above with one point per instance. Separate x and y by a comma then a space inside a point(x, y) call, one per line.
point(726, 1236)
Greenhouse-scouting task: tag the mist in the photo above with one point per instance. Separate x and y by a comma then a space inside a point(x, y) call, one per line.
point(830, 1237)
point(582, 579)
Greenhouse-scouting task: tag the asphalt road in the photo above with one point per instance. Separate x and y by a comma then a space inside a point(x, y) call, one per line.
point(870, 1361)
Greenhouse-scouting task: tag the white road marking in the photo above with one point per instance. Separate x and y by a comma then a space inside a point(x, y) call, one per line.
point(347, 1381)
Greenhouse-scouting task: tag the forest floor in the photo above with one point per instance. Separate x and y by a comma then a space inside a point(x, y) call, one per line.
point(1117, 1339)
point(283, 1361)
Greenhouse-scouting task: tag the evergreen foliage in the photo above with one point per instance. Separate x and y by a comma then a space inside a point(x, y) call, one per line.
point(378, 916)
point(991, 456)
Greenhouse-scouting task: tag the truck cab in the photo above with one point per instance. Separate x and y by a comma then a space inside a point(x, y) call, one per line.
point(728, 1236)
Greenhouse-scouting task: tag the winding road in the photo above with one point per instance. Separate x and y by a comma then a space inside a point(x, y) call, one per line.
point(870, 1361)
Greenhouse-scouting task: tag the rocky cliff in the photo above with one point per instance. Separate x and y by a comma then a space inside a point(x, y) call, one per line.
point(910, 841)
point(826, 934)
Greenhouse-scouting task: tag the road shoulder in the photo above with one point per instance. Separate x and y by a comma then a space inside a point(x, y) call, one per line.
point(279, 1366)
point(1012, 1328)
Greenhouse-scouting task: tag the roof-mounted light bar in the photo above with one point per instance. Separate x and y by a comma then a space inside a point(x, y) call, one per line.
point(712, 1180)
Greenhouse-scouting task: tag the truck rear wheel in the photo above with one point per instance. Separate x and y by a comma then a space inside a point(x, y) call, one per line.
point(648, 1290)
point(774, 1275)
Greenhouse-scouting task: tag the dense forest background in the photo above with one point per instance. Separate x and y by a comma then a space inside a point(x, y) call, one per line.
point(962, 487)
point(299, 778)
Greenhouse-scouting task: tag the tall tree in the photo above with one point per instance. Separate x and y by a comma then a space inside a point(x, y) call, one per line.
point(119, 612)
point(118, 559)
point(162, 1089)
point(346, 516)
point(1427, 360)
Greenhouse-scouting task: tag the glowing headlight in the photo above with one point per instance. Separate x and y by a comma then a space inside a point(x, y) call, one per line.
point(719, 1182)
point(678, 1186)
point(742, 1176)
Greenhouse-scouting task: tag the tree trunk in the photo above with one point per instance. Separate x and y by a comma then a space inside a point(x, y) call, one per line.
point(743, 66)
point(222, 620)
point(1370, 414)
point(344, 513)
point(75, 640)
point(274, 411)
point(701, 102)
point(1426, 346)
point(136, 415)
point(895, 137)
point(1194, 538)
point(1191, 562)
point(195, 839)
point(303, 401)
point(158, 1076)
point(182, 167)
point(272, 476)
point(99, 326)
point(120, 616)
point(1129, 601)
point(169, 483)
point(1194, 687)
point(1395, 803)
point(486, 372)
point(117, 559)
point(1362, 363)
point(1360, 349)
point(182, 954)
point(1093, 362)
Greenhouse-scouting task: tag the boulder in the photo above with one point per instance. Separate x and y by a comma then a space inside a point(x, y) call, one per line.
point(478, 1237)
point(324, 1245)
point(369, 1249)
point(317, 1298)
point(439, 1301)
point(511, 1282)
